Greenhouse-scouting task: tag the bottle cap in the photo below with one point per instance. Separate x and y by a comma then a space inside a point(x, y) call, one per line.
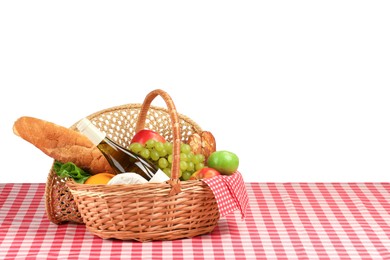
point(86, 127)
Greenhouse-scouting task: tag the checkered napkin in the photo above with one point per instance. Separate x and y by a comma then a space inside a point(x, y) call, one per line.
point(230, 193)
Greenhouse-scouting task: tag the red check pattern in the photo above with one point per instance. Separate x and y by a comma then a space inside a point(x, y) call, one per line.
point(283, 221)
point(229, 192)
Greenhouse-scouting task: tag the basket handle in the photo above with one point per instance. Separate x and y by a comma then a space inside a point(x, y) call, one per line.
point(174, 181)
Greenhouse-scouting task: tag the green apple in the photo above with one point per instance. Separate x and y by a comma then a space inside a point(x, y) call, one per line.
point(223, 161)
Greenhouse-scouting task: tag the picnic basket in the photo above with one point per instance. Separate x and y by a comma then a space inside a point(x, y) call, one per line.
point(153, 211)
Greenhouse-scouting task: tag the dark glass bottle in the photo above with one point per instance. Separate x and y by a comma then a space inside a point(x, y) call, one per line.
point(121, 159)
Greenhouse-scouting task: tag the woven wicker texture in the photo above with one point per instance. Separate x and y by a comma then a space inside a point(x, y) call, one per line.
point(142, 212)
point(60, 205)
point(146, 212)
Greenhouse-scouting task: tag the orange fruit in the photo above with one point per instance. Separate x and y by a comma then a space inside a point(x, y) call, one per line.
point(99, 178)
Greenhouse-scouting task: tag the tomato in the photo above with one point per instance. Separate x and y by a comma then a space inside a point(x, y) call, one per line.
point(204, 173)
point(223, 161)
point(145, 134)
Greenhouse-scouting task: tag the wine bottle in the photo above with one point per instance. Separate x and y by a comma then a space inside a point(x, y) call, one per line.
point(121, 159)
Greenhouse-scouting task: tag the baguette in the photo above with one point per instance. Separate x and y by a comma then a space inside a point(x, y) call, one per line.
point(62, 144)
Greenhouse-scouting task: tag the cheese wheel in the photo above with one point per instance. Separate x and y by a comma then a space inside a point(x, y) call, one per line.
point(127, 178)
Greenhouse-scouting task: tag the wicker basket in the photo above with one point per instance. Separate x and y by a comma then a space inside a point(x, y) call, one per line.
point(143, 212)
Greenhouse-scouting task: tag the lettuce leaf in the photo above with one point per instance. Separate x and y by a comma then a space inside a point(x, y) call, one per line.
point(70, 170)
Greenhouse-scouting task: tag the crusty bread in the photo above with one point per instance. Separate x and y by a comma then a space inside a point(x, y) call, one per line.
point(62, 144)
point(203, 143)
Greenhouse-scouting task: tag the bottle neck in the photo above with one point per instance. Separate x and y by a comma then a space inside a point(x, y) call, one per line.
point(91, 131)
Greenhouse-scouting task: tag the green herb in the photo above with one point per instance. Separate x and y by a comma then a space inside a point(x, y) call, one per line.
point(70, 170)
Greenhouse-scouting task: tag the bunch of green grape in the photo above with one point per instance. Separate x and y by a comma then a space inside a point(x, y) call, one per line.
point(161, 154)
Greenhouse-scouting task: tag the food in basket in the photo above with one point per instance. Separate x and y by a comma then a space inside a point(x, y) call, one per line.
point(121, 159)
point(144, 135)
point(165, 211)
point(62, 144)
point(161, 155)
point(99, 178)
point(70, 170)
point(203, 143)
point(127, 178)
point(204, 173)
point(225, 162)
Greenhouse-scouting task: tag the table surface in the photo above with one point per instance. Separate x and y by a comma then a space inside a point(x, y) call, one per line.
point(284, 220)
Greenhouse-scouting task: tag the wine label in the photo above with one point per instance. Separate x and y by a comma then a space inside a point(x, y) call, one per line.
point(159, 177)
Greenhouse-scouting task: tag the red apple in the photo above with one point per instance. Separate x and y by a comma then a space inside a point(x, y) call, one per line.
point(144, 135)
point(204, 173)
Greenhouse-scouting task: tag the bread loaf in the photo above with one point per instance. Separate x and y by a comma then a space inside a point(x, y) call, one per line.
point(62, 144)
point(203, 143)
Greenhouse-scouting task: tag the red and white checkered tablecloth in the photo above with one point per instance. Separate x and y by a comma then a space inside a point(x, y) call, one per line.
point(283, 221)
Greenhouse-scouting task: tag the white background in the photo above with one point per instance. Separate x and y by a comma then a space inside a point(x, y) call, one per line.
point(299, 90)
